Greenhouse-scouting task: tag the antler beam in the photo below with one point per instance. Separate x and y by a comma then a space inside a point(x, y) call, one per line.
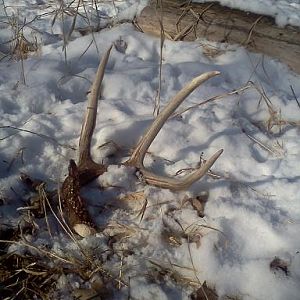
point(88, 169)
point(140, 150)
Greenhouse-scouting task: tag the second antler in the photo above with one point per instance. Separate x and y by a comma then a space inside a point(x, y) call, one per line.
point(88, 169)
point(142, 147)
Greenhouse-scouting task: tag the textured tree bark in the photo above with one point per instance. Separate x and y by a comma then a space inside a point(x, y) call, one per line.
point(189, 21)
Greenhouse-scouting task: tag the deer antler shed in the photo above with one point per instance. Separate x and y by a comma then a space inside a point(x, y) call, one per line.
point(74, 207)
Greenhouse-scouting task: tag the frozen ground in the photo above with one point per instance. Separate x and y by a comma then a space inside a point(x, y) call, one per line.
point(246, 245)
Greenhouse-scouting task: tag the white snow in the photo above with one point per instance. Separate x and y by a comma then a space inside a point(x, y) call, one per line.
point(252, 212)
point(285, 12)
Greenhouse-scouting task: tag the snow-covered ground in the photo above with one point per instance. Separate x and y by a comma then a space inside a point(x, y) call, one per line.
point(284, 11)
point(247, 244)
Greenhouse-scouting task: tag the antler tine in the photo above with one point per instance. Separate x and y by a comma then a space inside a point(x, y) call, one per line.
point(88, 169)
point(183, 183)
point(139, 153)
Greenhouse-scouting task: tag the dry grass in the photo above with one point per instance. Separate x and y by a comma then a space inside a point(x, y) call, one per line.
point(159, 13)
point(26, 276)
point(275, 122)
point(35, 272)
point(19, 46)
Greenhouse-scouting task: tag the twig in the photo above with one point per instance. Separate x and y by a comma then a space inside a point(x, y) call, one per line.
point(258, 142)
point(35, 133)
point(90, 25)
point(87, 48)
point(237, 91)
point(190, 253)
point(295, 95)
point(64, 34)
point(43, 198)
point(143, 209)
point(247, 41)
point(66, 40)
point(19, 153)
point(204, 10)
point(182, 15)
point(162, 40)
point(47, 253)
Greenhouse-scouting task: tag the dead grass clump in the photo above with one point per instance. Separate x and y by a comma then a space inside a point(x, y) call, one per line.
point(21, 47)
point(35, 273)
point(24, 277)
point(275, 122)
point(211, 51)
